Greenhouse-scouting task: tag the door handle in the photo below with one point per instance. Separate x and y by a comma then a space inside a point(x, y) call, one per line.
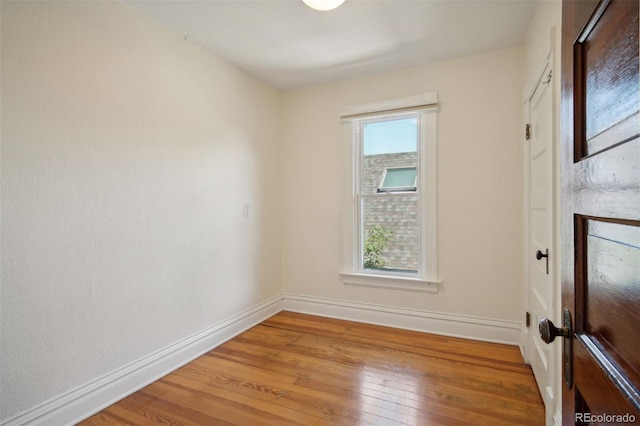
point(548, 332)
point(540, 255)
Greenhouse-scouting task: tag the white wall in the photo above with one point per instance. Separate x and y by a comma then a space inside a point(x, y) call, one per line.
point(127, 157)
point(479, 185)
point(548, 14)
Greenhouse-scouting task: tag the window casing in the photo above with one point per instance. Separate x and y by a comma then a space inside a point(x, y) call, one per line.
point(414, 261)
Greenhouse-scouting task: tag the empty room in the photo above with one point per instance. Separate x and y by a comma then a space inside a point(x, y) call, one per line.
point(319, 212)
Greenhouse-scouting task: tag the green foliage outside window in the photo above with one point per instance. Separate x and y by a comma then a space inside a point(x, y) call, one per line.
point(374, 245)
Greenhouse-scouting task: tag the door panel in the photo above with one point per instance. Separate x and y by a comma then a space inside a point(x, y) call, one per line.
point(541, 230)
point(613, 285)
point(606, 183)
point(600, 235)
point(608, 297)
point(608, 57)
point(598, 394)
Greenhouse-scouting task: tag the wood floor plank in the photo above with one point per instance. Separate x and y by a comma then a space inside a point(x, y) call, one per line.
point(275, 397)
point(320, 357)
point(507, 393)
point(167, 411)
point(296, 369)
point(289, 389)
point(446, 344)
point(138, 414)
point(435, 346)
point(104, 418)
point(349, 388)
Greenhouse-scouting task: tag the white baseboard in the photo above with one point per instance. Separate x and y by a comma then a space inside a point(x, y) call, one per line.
point(92, 397)
point(468, 327)
point(88, 399)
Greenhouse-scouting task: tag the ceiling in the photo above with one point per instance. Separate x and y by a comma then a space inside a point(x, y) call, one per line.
point(289, 45)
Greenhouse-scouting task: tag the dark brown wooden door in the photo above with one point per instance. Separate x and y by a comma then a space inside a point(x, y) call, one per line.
point(601, 210)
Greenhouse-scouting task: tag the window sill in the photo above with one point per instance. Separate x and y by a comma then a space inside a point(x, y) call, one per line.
point(390, 282)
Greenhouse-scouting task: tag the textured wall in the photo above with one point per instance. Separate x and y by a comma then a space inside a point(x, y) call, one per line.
point(127, 157)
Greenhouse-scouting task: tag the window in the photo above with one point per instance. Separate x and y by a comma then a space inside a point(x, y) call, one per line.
point(398, 179)
point(390, 231)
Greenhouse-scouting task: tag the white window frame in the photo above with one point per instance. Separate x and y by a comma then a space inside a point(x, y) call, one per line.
point(353, 273)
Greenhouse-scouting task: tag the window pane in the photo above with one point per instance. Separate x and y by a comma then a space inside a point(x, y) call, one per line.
point(399, 178)
point(390, 136)
point(389, 145)
point(390, 237)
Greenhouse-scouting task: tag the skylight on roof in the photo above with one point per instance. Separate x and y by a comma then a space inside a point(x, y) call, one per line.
point(398, 179)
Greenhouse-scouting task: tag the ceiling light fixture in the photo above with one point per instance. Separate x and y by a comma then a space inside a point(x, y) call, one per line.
point(323, 4)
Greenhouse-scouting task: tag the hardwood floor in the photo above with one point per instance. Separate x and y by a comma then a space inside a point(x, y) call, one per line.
point(296, 369)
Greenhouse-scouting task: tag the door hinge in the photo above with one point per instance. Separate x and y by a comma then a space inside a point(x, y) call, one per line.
point(527, 319)
point(527, 131)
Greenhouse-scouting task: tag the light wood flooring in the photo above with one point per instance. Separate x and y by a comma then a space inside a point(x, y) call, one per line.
point(296, 369)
